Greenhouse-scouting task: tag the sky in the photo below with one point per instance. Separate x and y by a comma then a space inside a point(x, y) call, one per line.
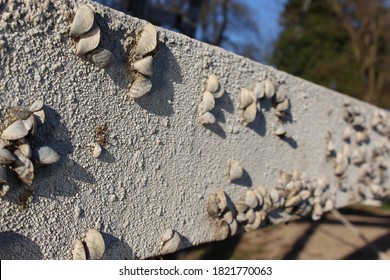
point(268, 12)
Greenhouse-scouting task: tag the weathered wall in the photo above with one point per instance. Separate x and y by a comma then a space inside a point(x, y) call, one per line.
point(159, 165)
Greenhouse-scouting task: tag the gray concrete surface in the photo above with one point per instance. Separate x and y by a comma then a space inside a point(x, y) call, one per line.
point(159, 165)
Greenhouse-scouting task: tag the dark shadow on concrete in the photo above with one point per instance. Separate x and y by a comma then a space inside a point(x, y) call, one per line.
point(106, 156)
point(225, 103)
point(301, 242)
point(166, 71)
point(290, 141)
point(259, 124)
point(244, 180)
point(116, 249)
point(217, 129)
point(14, 246)
point(120, 69)
point(367, 252)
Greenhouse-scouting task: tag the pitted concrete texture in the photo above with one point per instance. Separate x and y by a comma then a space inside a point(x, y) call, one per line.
point(159, 165)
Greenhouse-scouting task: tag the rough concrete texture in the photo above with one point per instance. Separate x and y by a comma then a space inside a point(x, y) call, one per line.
point(159, 165)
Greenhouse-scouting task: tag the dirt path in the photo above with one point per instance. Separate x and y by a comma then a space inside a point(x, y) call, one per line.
point(326, 239)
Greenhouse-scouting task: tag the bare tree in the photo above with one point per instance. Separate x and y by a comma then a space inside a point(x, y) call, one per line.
point(367, 23)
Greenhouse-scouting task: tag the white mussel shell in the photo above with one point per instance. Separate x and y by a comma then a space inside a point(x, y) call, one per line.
point(25, 148)
point(215, 87)
point(15, 131)
point(241, 207)
point(233, 227)
point(246, 98)
point(29, 123)
point(38, 119)
point(283, 106)
point(250, 215)
point(329, 205)
point(18, 113)
point(208, 102)
point(235, 170)
point(102, 58)
point(216, 203)
point(281, 94)
point(6, 157)
point(145, 66)
point(228, 217)
point(241, 218)
point(97, 150)
point(292, 201)
point(222, 231)
point(95, 244)
point(249, 114)
point(147, 43)
point(250, 199)
point(88, 41)
point(141, 86)
point(168, 234)
point(259, 195)
point(317, 212)
point(305, 194)
point(24, 168)
point(82, 22)
point(36, 106)
point(79, 251)
point(4, 190)
point(281, 131)
point(259, 90)
point(172, 245)
point(46, 155)
point(3, 175)
point(259, 217)
point(212, 83)
point(207, 118)
point(221, 199)
point(347, 133)
point(269, 89)
point(274, 196)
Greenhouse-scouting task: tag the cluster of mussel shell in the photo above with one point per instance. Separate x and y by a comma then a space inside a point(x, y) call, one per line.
point(373, 165)
point(87, 33)
point(265, 89)
point(170, 242)
point(144, 52)
point(91, 248)
point(293, 195)
point(16, 153)
point(214, 89)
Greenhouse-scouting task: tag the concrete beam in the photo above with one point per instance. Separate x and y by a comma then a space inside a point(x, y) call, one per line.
point(160, 168)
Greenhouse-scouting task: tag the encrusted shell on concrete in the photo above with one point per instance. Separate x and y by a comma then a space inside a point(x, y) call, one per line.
point(214, 86)
point(249, 114)
point(24, 168)
point(95, 244)
point(147, 43)
point(46, 155)
point(207, 118)
point(170, 242)
point(102, 58)
point(235, 170)
point(6, 157)
point(79, 251)
point(82, 22)
point(141, 86)
point(144, 66)
point(88, 41)
point(16, 130)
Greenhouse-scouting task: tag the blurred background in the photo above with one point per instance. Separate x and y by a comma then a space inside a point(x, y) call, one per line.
point(340, 44)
